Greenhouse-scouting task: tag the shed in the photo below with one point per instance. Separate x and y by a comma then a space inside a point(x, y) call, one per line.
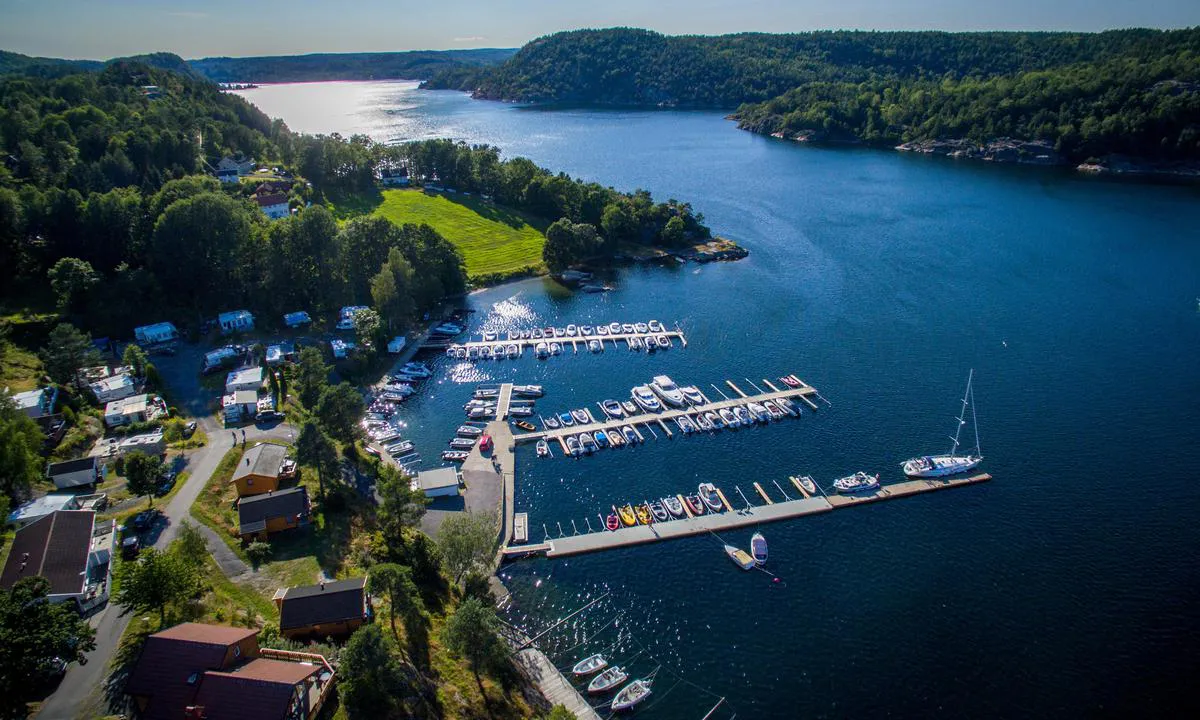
point(245, 379)
point(156, 334)
point(396, 346)
point(235, 321)
point(74, 473)
point(297, 319)
point(439, 482)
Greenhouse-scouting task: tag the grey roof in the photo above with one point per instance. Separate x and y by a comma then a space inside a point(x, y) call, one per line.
point(262, 460)
point(253, 512)
point(70, 466)
point(438, 478)
point(323, 603)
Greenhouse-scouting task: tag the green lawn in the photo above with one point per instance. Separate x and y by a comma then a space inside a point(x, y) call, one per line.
point(493, 239)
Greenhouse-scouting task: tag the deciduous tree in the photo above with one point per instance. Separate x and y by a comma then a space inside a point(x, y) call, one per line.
point(372, 682)
point(142, 474)
point(472, 632)
point(314, 448)
point(468, 542)
point(156, 580)
point(72, 279)
point(20, 443)
point(404, 599)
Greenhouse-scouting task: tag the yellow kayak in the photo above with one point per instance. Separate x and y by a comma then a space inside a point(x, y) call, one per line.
point(627, 516)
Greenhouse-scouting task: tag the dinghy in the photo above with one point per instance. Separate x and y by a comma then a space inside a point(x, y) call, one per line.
point(632, 694)
point(525, 425)
point(739, 557)
point(469, 431)
point(589, 665)
point(629, 407)
point(630, 434)
point(543, 448)
point(758, 548)
point(643, 514)
point(607, 680)
point(613, 522)
point(581, 416)
point(551, 422)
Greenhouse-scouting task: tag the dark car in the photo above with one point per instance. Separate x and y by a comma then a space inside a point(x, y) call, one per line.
point(166, 482)
point(145, 520)
point(269, 416)
point(130, 547)
point(189, 429)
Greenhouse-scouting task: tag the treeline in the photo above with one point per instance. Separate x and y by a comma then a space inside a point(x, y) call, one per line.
point(640, 67)
point(1143, 109)
point(414, 65)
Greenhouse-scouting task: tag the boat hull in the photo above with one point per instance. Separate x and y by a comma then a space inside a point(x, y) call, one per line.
point(940, 466)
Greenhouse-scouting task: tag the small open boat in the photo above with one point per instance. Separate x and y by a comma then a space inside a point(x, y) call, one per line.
point(455, 455)
point(587, 443)
point(708, 493)
point(551, 422)
point(566, 419)
point(613, 408)
point(581, 416)
point(469, 431)
point(758, 548)
point(695, 504)
point(643, 514)
point(613, 522)
point(739, 557)
point(614, 328)
point(630, 695)
point(673, 506)
point(627, 515)
point(543, 448)
point(607, 680)
point(572, 445)
point(462, 443)
point(589, 665)
point(630, 435)
point(615, 439)
point(714, 420)
point(629, 407)
point(601, 438)
point(790, 381)
point(525, 425)
point(808, 484)
point(657, 509)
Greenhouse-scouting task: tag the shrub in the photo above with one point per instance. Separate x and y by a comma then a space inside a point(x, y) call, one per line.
point(259, 552)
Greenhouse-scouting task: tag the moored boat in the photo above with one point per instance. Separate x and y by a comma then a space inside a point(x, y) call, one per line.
point(462, 443)
point(587, 443)
point(572, 445)
point(469, 431)
point(630, 434)
point(581, 416)
point(703, 422)
point(627, 328)
point(607, 680)
point(614, 328)
point(758, 548)
point(595, 346)
point(714, 420)
point(776, 413)
point(641, 327)
point(665, 388)
point(455, 455)
point(629, 407)
point(655, 326)
point(758, 412)
point(644, 397)
point(787, 406)
point(572, 330)
point(673, 506)
point(643, 514)
point(739, 557)
point(566, 419)
point(555, 348)
point(708, 493)
point(658, 510)
point(790, 381)
point(630, 695)
point(528, 390)
point(612, 522)
point(628, 517)
point(614, 438)
point(858, 482)
point(695, 504)
point(951, 463)
point(589, 665)
point(525, 425)
point(808, 484)
point(551, 422)
point(520, 411)
point(543, 448)
point(635, 343)
point(728, 417)
point(613, 408)
point(692, 394)
point(601, 438)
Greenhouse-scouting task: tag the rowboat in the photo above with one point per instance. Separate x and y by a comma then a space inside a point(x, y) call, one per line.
point(758, 548)
point(589, 665)
point(695, 504)
point(739, 557)
point(643, 514)
point(627, 515)
point(525, 425)
point(607, 680)
point(551, 422)
point(632, 694)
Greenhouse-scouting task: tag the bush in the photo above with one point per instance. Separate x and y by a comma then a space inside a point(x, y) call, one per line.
point(68, 415)
point(334, 502)
point(259, 552)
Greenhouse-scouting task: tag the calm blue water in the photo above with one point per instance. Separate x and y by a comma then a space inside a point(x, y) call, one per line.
point(1068, 586)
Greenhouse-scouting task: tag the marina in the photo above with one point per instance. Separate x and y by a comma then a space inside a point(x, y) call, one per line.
point(650, 337)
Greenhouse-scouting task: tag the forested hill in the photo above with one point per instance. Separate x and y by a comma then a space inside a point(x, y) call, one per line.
point(627, 66)
point(414, 65)
point(11, 62)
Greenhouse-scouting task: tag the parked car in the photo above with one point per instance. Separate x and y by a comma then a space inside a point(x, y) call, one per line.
point(167, 482)
point(189, 429)
point(130, 547)
point(145, 520)
point(269, 416)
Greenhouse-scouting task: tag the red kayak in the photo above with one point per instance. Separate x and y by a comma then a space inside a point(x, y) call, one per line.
point(613, 521)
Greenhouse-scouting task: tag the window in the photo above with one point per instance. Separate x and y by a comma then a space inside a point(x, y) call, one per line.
point(249, 481)
point(193, 678)
point(237, 651)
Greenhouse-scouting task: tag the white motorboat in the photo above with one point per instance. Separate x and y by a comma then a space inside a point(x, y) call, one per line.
point(514, 350)
point(665, 388)
point(758, 548)
point(641, 327)
point(461, 443)
point(520, 411)
point(655, 326)
point(613, 408)
point(714, 420)
point(514, 334)
point(587, 443)
point(555, 348)
point(685, 424)
point(692, 394)
point(787, 406)
point(858, 482)
point(674, 506)
point(469, 431)
point(740, 557)
point(573, 445)
point(536, 334)
point(629, 407)
point(664, 342)
point(595, 346)
point(416, 368)
point(485, 393)
point(586, 330)
point(951, 463)
point(581, 416)
point(478, 413)
point(776, 413)
point(607, 680)
point(572, 331)
point(489, 336)
point(703, 423)
point(708, 493)
point(551, 422)
point(602, 330)
point(728, 417)
point(743, 415)
point(589, 665)
point(808, 484)
point(528, 390)
point(627, 328)
point(630, 434)
point(614, 328)
point(615, 439)
point(643, 396)
point(543, 448)
point(455, 455)
point(631, 695)
point(758, 412)
point(400, 448)
point(541, 350)
point(635, 343)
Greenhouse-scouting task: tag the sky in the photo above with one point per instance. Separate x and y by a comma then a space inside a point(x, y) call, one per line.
point(101, 29)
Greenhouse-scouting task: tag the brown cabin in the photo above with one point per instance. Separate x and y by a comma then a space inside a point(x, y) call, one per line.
point(259, 470)
point(329, 609)
point(261, 515)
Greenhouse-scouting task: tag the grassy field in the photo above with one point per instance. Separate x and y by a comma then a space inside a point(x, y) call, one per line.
point(493, 239)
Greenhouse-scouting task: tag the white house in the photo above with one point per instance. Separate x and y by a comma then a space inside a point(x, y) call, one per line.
point(133, 409)
point(114, 387)
point(297, 319)
point(155, 334)
point(71, 550)
point(235, 321)
point(346, 316)
point(75, 473)
point(394, 176)
point(229, 170)
point(214, 359)
point(440, 482)
point(273, 205)
point(239, 406)
point(37, 403)
point(341, 348)
point(151, 443)
point(245, 379)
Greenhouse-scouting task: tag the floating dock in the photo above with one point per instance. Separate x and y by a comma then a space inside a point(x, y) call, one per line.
point(576, 343)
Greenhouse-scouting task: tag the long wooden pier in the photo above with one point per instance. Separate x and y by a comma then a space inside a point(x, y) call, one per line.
point(714, 522)
point(575, 342)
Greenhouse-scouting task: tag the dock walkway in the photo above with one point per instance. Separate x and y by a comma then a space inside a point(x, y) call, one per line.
point(577, 342)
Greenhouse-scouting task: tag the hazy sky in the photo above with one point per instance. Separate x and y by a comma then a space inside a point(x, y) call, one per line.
point(100, 29)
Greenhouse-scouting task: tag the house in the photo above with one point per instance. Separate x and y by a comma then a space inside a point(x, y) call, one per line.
point(396, 346)
point(341, 348)
point(71, 550)
point(394, 176)
point(346, 316)
point(75, 473)
point(39, 508)
point(241, 166)
point(133, 409)
point(261, 515)
point(151, 92)
point(117, 386)
point(37, 403)
point(273, 205)
point(439, 482)
point(297, 319)
point(240, 406)
point(151, 443)
point(244, 379)
point(156, 334)
point(279, 354)
point(236, 321)
point(259, 470)
point(194, 670)
point(219, 358)
point(328, 609)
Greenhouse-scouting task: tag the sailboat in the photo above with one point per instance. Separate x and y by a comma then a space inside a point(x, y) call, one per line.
point(952, 463)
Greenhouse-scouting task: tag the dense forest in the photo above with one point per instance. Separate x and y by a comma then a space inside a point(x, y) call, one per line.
point(414, 65)
point(107, 200)
point(1122, 91)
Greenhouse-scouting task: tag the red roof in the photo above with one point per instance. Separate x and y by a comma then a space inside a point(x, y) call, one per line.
point(272, 199)
point(172, 665)
point(259, 690)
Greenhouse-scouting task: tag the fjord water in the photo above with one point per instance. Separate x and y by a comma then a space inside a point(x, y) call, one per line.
point(1067, 586)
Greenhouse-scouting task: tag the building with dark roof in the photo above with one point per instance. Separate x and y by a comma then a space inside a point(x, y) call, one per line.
point(259, 470)
point(261, 515)
point(220, 673)
point(331, 609)
point(68, 548)
point(74, 473)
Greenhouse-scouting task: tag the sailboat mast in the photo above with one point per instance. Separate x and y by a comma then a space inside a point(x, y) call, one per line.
point(962, 411)
point(975, 422)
